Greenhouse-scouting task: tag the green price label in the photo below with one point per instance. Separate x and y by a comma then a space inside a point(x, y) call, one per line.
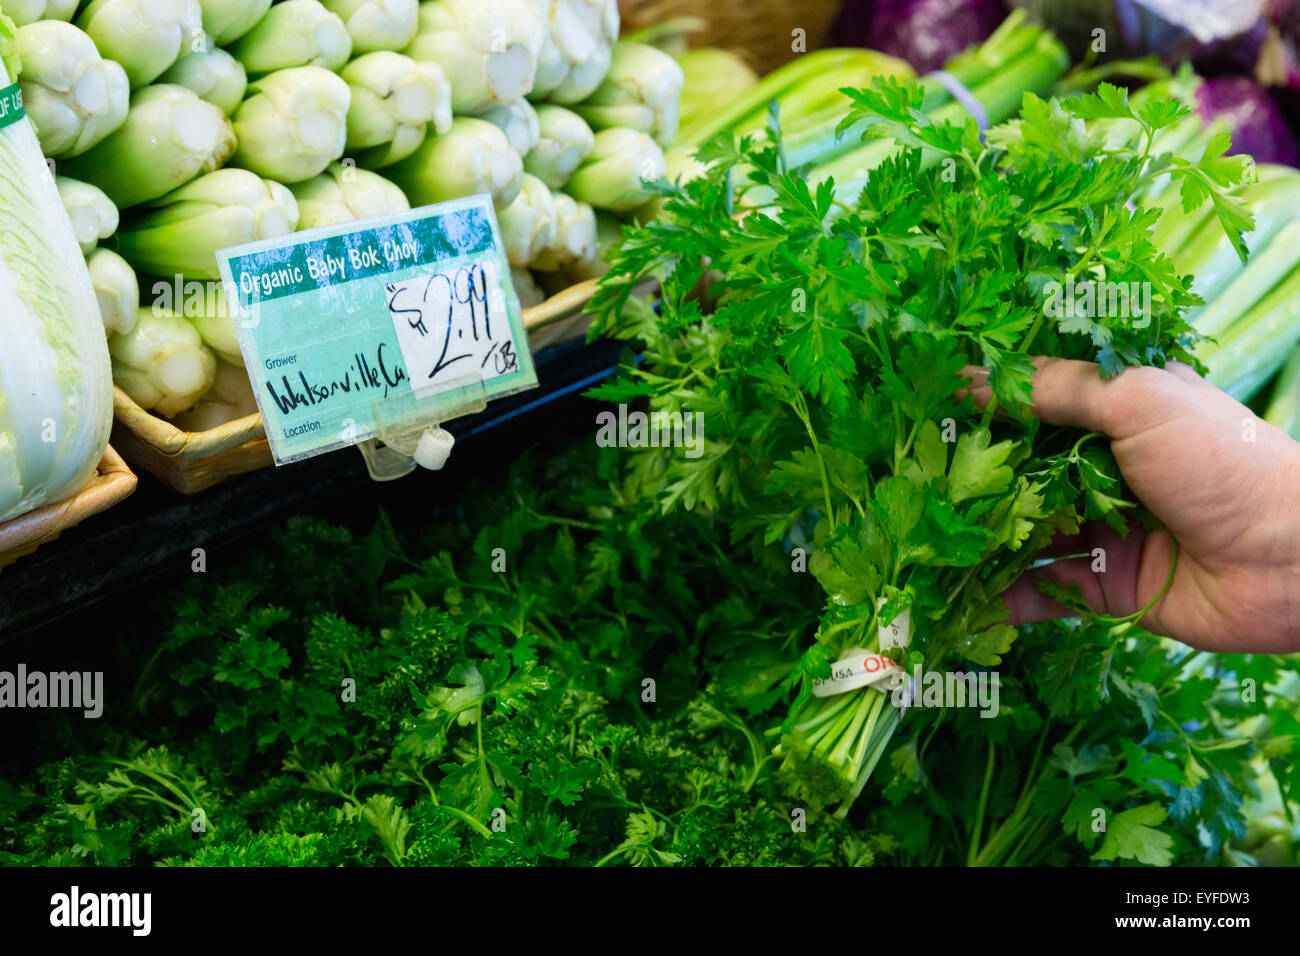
point(336, 321)
point(11, 105)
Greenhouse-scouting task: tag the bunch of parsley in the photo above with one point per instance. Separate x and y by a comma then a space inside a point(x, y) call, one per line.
point(825, 343)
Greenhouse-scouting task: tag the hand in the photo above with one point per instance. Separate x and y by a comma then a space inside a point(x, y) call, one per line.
point(1232, 504)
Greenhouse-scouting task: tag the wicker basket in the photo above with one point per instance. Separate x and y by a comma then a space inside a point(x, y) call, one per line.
point(762, 32)
point(112, 482)
point(189, 462)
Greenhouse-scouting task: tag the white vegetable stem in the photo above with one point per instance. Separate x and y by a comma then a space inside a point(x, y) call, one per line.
point(212, 73)
point(377, 24)
point(169, 137)
point(228, 20)
point(183, 230)
point(394, 101)
point(564, 140)
point(116, 289)
point(229, 398)
point(518, 120)
point(575, 49)
point(92, 214)
point(528, 223)
point(345, 193)
point(293, 125)
point(73, 95)
point(162, 362)
point(56, 400)
point(23, 12)
point(487, 48)
point(573, 245)
point(642, 91)
point(614, 174)
point(203, 305)
point(472, 157)
point(294, 33)
point(145, 36)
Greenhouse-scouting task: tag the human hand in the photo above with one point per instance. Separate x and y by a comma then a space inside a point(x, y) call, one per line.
point(1232, 503)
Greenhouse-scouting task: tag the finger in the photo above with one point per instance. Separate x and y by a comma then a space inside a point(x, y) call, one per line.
point(1072, 393)
point(1185, 373)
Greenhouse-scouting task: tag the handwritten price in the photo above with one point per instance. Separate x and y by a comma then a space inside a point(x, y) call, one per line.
point(453, 324)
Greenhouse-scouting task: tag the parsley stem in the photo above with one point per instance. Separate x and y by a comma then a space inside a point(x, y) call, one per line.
point(973, 854)
point(800, 406)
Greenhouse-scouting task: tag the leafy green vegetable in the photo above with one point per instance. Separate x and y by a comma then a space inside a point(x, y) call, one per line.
point(830, 369)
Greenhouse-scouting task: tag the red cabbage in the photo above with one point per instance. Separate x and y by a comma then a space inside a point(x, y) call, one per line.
point(1257, 124)
point(925, 33)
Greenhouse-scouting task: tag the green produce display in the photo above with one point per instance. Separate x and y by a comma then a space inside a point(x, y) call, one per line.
point(662, 673)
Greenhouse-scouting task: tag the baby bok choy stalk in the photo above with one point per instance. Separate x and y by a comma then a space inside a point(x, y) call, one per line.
point(345, 193)
point(832, 370)
point(377, 24)
point(396, 102)
point(294, 33)
point(73, 95)
point(488, 50)
point(116, 289)
point(169, 137)
point(212, 73)
point(162, 362)
point(573, 244)
point(23, 12)
point(228, 20)
point(145, 36)
point(472, 157)
point(93, 215)
point(518, 120)
point(293, 124)
point(641, 91)
point(180, 233)
point(618, 171)
point(563, 141)
point(574, 54)
point(528, 223)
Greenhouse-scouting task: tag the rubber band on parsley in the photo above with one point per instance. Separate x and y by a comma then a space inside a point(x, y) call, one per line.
point(828, 367)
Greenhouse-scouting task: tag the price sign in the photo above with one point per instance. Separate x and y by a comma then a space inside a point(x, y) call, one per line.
point(333, 320)
point(454, 321)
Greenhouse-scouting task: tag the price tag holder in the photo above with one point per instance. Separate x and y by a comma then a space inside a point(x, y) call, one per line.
point(345, 326)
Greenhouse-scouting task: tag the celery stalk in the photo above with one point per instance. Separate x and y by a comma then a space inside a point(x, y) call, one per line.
point(1284, 407)
point(1266, 268)
point(1257, 344)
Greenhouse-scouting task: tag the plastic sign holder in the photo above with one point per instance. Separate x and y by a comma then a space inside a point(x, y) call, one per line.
point(410, 433)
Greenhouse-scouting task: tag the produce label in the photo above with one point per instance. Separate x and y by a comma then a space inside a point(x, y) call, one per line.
point(11, 105)
point(334, 320)
point(898, 632)
point(857, 668)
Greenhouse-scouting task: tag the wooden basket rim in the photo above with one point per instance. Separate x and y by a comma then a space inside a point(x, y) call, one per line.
point(112, 481)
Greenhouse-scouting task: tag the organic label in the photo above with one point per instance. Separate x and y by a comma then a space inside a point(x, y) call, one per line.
point(334, 321)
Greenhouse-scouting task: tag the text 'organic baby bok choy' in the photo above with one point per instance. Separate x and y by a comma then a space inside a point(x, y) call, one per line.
point(832, 375)
point(56, 400)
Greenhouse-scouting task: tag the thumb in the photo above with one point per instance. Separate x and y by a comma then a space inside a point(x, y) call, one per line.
point(1072, 393)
